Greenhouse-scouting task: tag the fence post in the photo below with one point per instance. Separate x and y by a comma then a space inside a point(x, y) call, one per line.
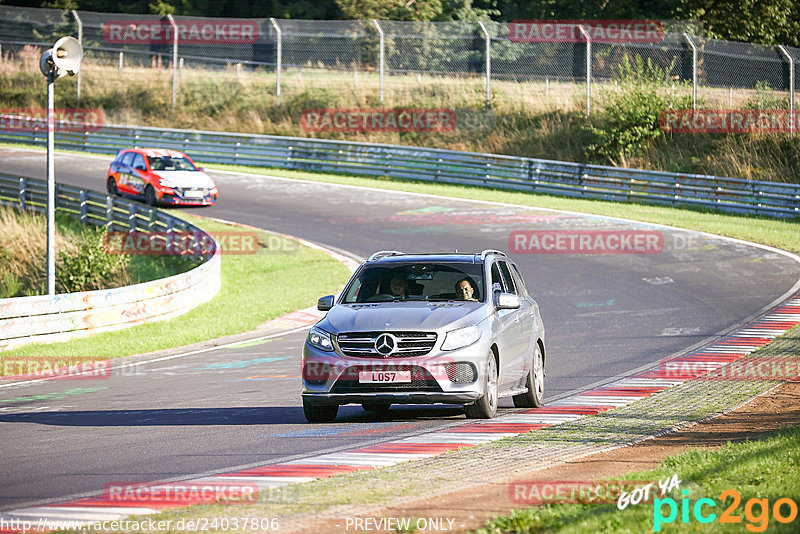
point(488, 64)
point(588, 69)
point(109, 213)
point(382, 57)
point(23, 193)
point(694, 69)
point(279, 39)
point(84, 207)
point(80, 40)
point(120, 61)
point(174, 59)
point(791, 87)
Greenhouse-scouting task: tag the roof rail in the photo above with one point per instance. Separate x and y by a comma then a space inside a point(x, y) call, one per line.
point(383, 253)
point(488, 251)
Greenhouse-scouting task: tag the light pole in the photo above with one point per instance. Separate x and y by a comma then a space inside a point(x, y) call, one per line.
point(64, 58)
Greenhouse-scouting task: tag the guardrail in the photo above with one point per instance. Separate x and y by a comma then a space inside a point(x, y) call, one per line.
point(48, 318)
point(471, 168)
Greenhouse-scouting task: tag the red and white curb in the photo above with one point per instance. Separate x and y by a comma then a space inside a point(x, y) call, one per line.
point(693, 365)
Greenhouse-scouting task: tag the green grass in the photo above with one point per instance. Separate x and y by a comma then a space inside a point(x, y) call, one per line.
point(768, 468)
point(784, 234)
point(255, 288)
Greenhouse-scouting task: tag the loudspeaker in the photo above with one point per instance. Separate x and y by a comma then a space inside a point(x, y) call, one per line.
point(67, 55)
point(64, 58)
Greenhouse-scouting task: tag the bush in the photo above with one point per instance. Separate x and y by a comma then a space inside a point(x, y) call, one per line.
point(629, 120)
point(89, 266)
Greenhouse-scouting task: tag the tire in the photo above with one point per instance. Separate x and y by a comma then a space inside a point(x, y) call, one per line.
point(319, 414)
point(486, 406)
point(375, 406)
point(150, 196)
point(533, 398)
point(111, 187)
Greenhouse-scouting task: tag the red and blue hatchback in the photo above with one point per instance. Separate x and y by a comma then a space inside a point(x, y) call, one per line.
point(160, 176)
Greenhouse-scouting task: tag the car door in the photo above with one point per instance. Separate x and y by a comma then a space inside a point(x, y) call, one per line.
point(507, 336)
point(138, 174)
point(123, 170)
point(519, 357)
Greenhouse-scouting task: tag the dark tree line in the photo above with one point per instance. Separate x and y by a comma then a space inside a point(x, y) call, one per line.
point(760, 21)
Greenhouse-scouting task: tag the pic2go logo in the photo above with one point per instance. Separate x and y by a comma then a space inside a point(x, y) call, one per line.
point(756, 511)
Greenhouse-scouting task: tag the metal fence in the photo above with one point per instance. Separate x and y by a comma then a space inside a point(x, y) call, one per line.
point(61, 317)
point(437, 165)
point(339, 52)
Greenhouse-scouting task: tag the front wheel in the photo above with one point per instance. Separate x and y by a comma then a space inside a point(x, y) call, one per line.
point(533, 398)
point(150, 196)
point(486, 406)
point(319, 414)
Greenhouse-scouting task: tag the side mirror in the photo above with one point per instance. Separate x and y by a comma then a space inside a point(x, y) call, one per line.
point(139, 168)
point(325, 303)
point(506, 301)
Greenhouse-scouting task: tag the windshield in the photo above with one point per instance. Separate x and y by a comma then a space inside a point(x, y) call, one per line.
point(429, 281)
point(168, 163)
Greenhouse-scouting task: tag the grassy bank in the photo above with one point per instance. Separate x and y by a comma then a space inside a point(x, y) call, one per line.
point(81, 261)
point(281, 277)
point(532, 119)
point(765, 470)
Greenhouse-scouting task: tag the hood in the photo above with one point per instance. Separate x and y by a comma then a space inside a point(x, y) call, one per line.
point(407, 316)
point(186, 178)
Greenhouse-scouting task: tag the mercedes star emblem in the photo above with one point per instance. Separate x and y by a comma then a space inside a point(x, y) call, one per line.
point(385, 344)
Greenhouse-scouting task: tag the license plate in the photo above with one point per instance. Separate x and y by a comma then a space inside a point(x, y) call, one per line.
point(193, 194)
point(382, 377)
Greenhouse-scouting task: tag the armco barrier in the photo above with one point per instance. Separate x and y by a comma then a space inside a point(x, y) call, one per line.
point(47, 318)
point(489, 170)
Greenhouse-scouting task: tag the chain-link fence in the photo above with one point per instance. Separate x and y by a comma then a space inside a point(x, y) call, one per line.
point(370, 57)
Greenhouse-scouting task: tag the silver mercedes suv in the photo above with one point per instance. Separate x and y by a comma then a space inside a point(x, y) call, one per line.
point(423, 329)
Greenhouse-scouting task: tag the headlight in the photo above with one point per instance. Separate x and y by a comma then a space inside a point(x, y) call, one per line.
point(463, 337)
point(165, 183)
point(320, 339)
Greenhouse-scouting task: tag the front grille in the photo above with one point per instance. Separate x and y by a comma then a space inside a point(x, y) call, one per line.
point(408, 344)
point(461, 372)
point(421, 380)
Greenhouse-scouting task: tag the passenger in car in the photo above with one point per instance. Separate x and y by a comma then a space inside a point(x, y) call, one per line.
point(465, 289)
point(398, 286)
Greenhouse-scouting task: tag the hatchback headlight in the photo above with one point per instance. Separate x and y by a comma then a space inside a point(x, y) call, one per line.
point(320, 339)
point(463, 337)
point(166, 183)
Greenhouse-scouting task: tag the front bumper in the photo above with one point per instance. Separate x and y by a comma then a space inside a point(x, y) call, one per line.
point(441, 377)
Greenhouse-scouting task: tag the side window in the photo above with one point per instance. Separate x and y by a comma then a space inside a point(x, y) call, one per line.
point(523, 287)
point(127, 159)
point(497, 280)
point(138, 162)
point(510, 287)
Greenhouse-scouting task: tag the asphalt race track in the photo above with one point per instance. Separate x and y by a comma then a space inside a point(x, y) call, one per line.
point(605, 315)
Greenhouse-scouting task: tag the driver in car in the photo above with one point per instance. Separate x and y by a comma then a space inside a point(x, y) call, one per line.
point(465, 289)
